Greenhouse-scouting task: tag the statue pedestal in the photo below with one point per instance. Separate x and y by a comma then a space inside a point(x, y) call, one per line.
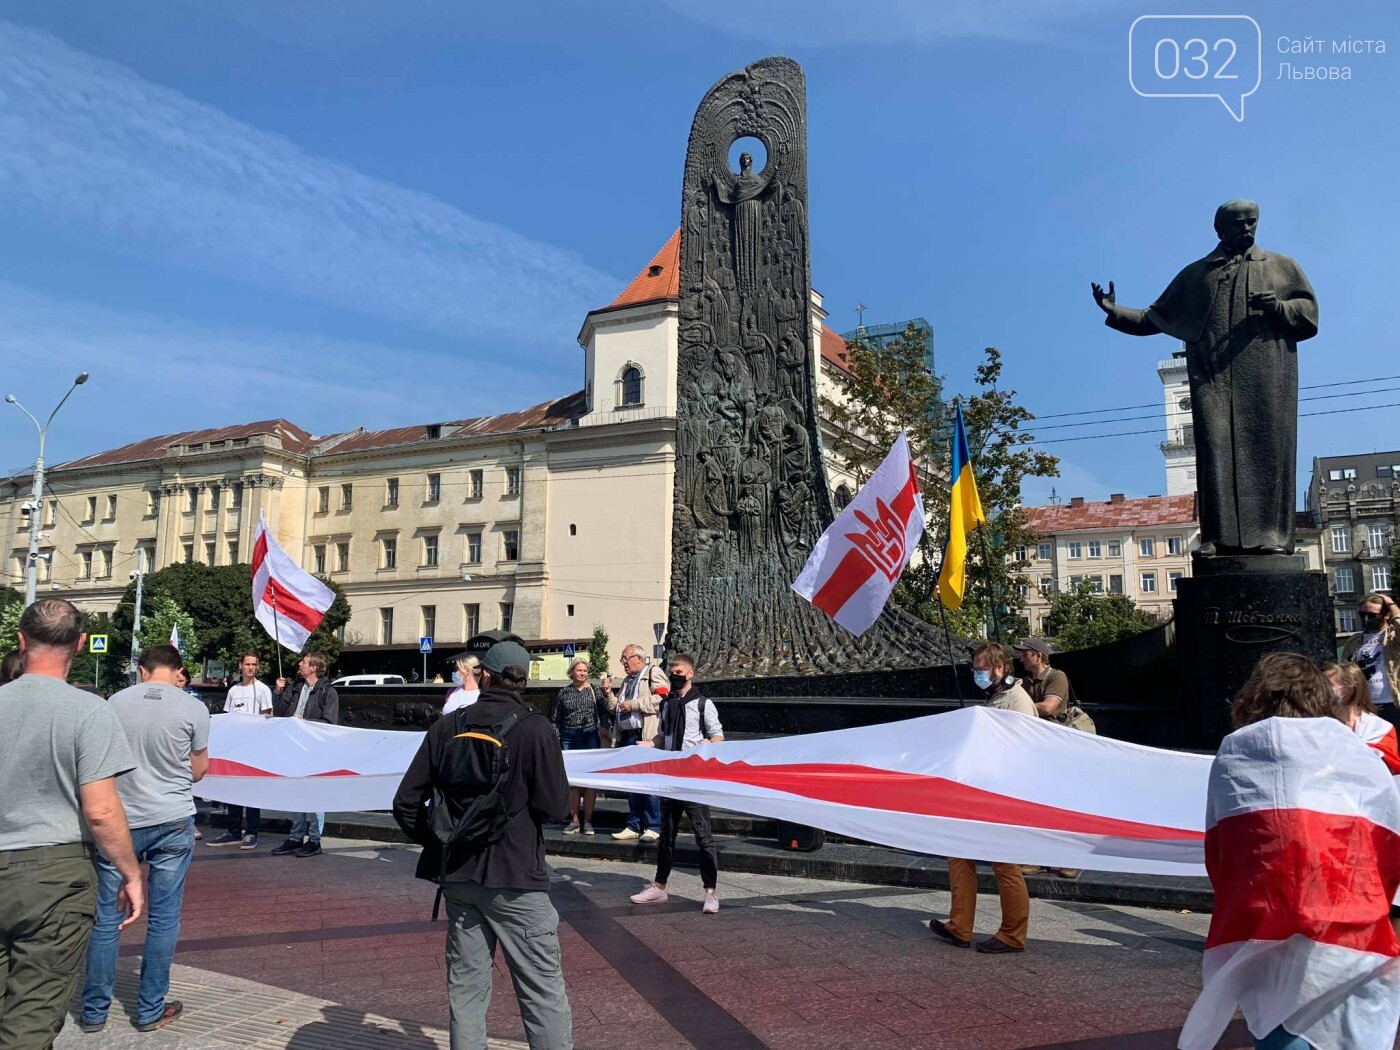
point(1231, 612)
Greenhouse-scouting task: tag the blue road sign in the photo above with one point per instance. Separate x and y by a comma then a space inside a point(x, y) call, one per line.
point(569, 650)
point(425, 644)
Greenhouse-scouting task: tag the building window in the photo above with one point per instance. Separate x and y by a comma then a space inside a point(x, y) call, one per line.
point(323, 499)
point(1341, 539)
point(1348, 473)
point(474, 484)
point(1148, 583)
point(53, 511)
point(111, 508)
point(430, 551)
point(428, 614)
point(512, 481)
point(214, 491)
point(1020, 553)
point(104, 561)
point(318, 556)
point(434, 487)
point(347, 496)
point(390, 546)
point(1095, 549)
point(510, 542)
point(507, 615)
point(87, 564)
point(1047, 585)
point(342, 557)
point(1115, 549)
point(1345, 580)
point(631, 386)
point(1044, 551)
point(91, 513)
point(843, 496)
point(1377, 537)
point(1346, 620)
point(236, 499)
point(569, 610)
point(1380, 577)
point(471, 618)
point(434, 431)
point(1115, 584)
point(1074, 582)
point(146, 558)
point(1174, 545)
point(191, 500)
point(209, 554)
point(473, 548)
point(1095, 584)
point(189, 553)
point(386, 626)
point(152, 503)
point(573, 529)
point(1334, 475)
point(1172, 580)
point(233, 552)
point(1147, 548)
point(1076, 549)
point(391, 493)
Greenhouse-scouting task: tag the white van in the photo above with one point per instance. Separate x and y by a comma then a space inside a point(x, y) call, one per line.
point(370, 679)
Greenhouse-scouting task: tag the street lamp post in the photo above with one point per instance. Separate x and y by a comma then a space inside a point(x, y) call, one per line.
point(31, 580)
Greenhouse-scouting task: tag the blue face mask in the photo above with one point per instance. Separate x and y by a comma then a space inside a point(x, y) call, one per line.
point(983, 679)
point(456, 677)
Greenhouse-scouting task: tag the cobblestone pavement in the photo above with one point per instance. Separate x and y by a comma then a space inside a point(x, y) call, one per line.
point(338, 951)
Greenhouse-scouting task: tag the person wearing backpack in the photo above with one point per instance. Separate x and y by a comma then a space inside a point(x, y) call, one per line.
point(687, 720)
point(476, 797)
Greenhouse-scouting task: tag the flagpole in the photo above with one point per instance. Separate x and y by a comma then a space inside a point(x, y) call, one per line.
point(943, 609)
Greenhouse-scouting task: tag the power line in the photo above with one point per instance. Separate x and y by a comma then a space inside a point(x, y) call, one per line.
point(1161, 430)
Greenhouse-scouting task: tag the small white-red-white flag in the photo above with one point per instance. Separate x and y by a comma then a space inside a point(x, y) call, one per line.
point(858, 560)
point(1303, 853)
point(288, 601)
point(175, 635)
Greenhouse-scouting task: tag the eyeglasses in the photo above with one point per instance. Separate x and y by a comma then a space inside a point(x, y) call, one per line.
point(634, 656)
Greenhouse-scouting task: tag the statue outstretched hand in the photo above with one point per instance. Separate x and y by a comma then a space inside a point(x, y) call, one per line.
point(1104, 299)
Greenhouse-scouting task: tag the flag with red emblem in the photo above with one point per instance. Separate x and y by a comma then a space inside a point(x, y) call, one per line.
point(1303, 853)
point(858, 560)
point(288, 601)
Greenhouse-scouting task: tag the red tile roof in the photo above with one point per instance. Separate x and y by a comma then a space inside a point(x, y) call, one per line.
point(834, 348)
point(294, 439)
point(660, 279)
point(547, 414)
point(1123, 514)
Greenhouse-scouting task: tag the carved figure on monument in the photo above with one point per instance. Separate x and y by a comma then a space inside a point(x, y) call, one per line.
point(751, 494)
point(1241, 313)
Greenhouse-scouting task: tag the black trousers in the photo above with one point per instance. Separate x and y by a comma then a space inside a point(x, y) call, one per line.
point(671, 812)
point(243, 821)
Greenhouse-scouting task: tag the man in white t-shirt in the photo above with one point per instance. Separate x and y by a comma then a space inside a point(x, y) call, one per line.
point(248, 697)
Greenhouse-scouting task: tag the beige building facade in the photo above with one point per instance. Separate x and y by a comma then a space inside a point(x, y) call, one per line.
point(546, 522)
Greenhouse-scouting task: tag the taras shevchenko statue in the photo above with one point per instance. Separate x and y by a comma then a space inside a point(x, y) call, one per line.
point(1241, 313)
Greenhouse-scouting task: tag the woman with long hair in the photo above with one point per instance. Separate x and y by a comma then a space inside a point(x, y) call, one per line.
point(578, 713)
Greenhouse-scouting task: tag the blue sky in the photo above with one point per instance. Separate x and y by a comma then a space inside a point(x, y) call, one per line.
point(362, 213)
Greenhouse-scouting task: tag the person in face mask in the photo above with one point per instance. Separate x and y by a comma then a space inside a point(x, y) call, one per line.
point(688, 719)
point(466, 679)
point(1376, 650)
point(991, 670)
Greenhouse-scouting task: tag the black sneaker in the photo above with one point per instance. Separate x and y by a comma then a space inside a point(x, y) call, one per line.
point(941, 931)
point(290, 846)
point(311, 849)
point(173, 1009)
point(92, 1026)
point(996, 946)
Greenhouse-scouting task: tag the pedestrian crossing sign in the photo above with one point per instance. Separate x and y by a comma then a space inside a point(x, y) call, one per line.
point(97, 643)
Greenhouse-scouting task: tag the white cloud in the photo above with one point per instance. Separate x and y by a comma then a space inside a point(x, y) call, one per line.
point(89, 144)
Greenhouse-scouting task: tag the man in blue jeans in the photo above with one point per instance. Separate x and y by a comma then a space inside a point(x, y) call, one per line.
point(636, 712)
point(168, 731)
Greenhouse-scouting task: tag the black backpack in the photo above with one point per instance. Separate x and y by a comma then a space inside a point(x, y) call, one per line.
point(469, 805)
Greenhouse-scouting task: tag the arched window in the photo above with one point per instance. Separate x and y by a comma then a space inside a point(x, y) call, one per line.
point(631, 384)
point(843, 496)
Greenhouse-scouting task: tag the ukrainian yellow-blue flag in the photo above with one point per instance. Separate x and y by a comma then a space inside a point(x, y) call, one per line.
point(964, 515)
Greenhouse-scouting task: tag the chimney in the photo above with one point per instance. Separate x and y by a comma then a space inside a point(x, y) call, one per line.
point(1117, 497)
point(1076, 501)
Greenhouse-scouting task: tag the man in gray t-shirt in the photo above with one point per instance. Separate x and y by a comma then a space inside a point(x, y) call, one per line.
point(61, 751)
point(169, 733)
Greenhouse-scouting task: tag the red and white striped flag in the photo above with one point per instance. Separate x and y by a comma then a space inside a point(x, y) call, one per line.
point(288, 601)
point(1303, 852)
point(857, 561)
point(1379, 735)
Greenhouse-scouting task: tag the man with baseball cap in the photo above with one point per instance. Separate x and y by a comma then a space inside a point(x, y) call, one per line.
point(497, 893)
point(1049, 689)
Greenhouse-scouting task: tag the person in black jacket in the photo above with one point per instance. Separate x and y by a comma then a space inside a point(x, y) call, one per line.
point(312, 697)
point(500, 893)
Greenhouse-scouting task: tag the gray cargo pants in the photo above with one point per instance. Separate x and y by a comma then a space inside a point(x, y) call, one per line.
point(527, 928)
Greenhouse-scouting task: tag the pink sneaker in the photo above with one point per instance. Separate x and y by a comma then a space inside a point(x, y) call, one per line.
point(711, 904)
point(653, 894)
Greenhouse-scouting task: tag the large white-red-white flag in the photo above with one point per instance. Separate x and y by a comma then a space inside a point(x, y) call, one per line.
point(858, 560)
point(1303, 852)
point(288, 601)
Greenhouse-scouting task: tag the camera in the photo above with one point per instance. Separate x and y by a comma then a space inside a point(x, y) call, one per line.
point(131, 575)
point(27, 507)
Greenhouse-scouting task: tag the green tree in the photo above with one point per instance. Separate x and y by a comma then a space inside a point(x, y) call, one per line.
point(890, 389)
point(1081, 618)
point(9, 625)
point(598, 650)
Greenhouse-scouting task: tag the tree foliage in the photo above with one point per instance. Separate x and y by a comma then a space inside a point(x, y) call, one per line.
point(1082, 618)
point(598, 651)
point(890, 389)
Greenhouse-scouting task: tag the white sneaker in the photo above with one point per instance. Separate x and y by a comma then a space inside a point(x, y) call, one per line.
point(653, 894)
point(711, 904)
point(626, 834)
point(649, 836)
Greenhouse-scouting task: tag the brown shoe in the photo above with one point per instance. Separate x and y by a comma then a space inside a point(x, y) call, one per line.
point(173, 1009)
point(1066, 873)
point(996, 946)
point(1031, 869)
point(940, 930)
